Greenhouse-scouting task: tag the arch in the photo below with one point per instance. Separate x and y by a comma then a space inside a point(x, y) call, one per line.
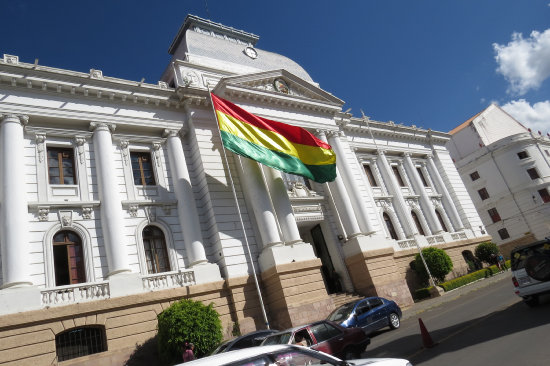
point(81, 341)
point(168, 240)
point(417, 223)
point(390, 227)
point(86, 242)
point(443, 219)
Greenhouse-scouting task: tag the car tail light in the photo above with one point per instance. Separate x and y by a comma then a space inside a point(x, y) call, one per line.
point(515, 281)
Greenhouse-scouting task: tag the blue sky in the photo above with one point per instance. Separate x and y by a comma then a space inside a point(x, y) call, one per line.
point(429, 63)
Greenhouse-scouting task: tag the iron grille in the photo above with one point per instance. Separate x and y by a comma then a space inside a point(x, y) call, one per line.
point(80, 342)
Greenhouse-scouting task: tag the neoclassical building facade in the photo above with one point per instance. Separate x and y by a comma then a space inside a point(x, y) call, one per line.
point(117, 199)
point(506, 168)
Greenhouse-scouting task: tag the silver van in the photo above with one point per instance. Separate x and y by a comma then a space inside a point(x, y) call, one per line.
point(531, 270)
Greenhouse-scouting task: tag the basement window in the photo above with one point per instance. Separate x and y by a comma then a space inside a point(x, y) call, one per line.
point(79, 342)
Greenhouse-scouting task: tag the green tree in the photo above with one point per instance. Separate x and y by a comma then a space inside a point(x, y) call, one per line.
point(438, 262)
point(188, 321)
point(487, 252)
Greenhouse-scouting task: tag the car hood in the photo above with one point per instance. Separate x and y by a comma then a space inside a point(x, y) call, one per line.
point(379, 362)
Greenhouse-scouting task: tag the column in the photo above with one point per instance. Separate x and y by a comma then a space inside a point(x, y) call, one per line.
point(257, 196)
point(282, 206)
point(425, 202)
point(187, 209)
point(446, 197)
point(399, 203)
point(350, 184)
point(13, 208)
point(112, 223)
point(342, 201)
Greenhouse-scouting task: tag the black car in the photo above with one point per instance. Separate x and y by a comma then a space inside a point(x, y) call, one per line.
point(248, 340)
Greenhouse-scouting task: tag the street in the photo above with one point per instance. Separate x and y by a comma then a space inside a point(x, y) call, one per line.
point(486, 326)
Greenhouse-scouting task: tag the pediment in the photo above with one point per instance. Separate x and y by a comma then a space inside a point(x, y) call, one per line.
point(278, 84)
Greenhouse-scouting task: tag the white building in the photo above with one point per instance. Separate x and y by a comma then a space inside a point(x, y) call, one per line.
point(116, 201)
point(506, 168)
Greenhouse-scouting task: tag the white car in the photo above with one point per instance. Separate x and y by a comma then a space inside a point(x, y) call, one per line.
point(531, 270)
point(287, 355)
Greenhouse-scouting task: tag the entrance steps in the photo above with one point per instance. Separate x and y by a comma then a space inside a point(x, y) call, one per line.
point(342, 298)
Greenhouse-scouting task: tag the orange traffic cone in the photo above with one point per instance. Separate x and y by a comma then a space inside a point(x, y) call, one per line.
point(426, 338)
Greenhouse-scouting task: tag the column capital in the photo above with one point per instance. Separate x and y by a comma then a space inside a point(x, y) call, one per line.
point(332, 133)
point(174, 133)
point(407, 154)
point(429, 156)
point(23, 119)
point(381, 152)
point(102, 126)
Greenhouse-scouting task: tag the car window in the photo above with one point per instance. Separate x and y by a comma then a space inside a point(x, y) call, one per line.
point(342, 313)
point(362, 308)
point(324, 331)
point(245, 342)
point(282, 338)
point(375, 302)
point(520, 256)
point(253, 361)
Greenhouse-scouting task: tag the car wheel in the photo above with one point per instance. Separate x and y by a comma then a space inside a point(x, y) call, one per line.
point(532, 300)
point(394, 321)
point(351, 353)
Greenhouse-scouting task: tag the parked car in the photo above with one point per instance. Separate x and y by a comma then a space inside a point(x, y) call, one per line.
point(531, 270)
point(324, 336)
point(248, 340)
point(286, 355)
point(371, 313)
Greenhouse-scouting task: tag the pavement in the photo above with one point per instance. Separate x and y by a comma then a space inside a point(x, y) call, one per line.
point(421, 306)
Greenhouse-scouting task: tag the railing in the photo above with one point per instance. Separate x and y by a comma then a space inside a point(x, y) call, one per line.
point(71, 294)
point(168, 280)
point(435, 239)
point(460, 235)
point(407, 243)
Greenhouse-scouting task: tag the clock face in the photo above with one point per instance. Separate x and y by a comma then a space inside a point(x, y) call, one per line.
point(251, 52)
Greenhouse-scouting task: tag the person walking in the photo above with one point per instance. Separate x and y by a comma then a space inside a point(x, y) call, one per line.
point(188, 354)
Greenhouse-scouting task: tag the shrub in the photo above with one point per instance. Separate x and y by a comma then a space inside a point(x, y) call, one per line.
point(487, 252)
point(471, 277)
point(438, 262)
point(422, 293)
point(188, 320)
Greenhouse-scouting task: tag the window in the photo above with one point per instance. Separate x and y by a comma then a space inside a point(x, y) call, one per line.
point(523, 155)
point(417, 223)
point(474, 176)
point(493, 213)
point(441, 222)
point(547, 152)
point(61, 165)
point(142, 167)
point(324, 332)
point(68, 259)
point(533, 173)
point(503, 233)
point(544, 195)
point(156, 254)
point(389, 226)
point(370, 175)
point(421, 174)
point(483, 194)
point(376, 302)
point(78, 342)
point(398, 176)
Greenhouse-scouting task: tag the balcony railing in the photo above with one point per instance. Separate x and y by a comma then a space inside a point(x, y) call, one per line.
point(435, 239)
point(165, 280)
point(72, 294)
point(407, 243)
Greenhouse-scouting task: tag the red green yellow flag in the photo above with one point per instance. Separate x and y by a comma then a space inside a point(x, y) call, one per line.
point(290, 149)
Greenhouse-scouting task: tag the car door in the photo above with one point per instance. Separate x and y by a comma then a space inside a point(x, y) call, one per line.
point(377, 313)
point(362, 314)
point(328, 338)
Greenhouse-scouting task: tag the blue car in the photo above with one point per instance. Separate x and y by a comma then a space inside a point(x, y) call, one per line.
point(371, 314)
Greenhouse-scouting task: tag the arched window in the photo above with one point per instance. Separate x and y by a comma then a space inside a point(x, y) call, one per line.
point(154, 245)
point(417, 223)
point(79, 342)
point(441, 222)
point(389, 225)
point(68, 258)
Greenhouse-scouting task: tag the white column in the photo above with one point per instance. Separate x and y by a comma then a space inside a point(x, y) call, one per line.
point(187, 210)
point(13, 208)
point(112, 223)
point(400, 206)
point(349, 182)
point(341, 199)
point(257, 196)
point(282, 206)
point(446, 197)
point(425, 202)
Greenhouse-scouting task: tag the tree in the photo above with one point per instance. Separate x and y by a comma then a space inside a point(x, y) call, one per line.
point(438, 262)
point(487, 252)
point(188, 321)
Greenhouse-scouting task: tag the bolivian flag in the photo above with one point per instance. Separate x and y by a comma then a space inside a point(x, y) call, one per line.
point(284, 147)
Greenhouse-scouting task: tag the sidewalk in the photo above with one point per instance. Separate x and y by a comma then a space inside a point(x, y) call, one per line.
point(424, 305)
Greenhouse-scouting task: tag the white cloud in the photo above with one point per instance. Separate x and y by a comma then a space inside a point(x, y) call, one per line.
point(525, 63)
point(536, 116)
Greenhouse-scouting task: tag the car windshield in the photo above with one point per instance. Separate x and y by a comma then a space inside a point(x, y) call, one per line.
point(520, 256)
point(281, 338)
point(289, 357)
point(342, 313)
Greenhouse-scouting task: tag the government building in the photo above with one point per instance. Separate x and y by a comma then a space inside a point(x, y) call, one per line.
point(118, 199)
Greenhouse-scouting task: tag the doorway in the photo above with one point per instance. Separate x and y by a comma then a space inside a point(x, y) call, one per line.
point(330, 277)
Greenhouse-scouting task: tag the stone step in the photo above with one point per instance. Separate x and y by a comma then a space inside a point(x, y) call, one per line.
point(340, 299)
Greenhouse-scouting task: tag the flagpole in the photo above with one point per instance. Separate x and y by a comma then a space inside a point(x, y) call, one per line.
point(240, 214)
